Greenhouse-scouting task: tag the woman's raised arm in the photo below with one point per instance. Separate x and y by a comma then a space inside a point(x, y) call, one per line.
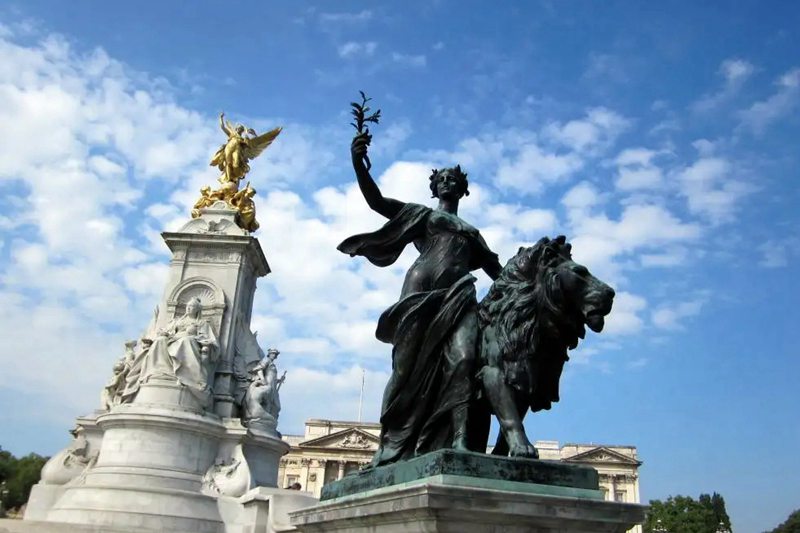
point(223, 126)
point(387, 207)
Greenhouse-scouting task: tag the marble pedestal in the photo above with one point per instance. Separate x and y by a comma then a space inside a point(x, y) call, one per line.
point(260, 510)
point(155, 464)
point(149, 471)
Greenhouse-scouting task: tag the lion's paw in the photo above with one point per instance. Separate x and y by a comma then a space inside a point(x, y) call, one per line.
point(528, 450)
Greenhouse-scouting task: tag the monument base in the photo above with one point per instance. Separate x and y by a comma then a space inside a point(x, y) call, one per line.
point(164, 465)
point(452, 491)
point(462, 504)
point(473, 465)
point(260, 510)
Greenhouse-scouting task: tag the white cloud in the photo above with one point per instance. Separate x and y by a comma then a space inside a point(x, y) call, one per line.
point(581, 198)
point(96, 135)
point(704, 147)
point(635, 156)
point(533, 169)
point(711, 188)
point(776, 253)
point(674, 256)
point(625, 318)
point(666, 126)
point(391, 138)
point(345, 17)
point(636, 170)
point(332, 395)
point(734, 73)
point(92, 260)
point(669, 316)
point(410, 60)
point(594, 133)
point(478, 154)
point(630, 179)
point(606, 245)
point(352, 49)
point(528, 161)
point(146, 279)
point(64, 360)
point(736, 70)
point(760, 115)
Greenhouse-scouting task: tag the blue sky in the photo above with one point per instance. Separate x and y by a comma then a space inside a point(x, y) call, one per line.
point(661, 138)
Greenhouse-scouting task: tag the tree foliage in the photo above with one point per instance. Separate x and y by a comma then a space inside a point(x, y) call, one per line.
point(792, 524)
point(18, 475)
point(684, 514)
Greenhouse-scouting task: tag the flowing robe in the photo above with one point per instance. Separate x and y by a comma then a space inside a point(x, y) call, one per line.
point(424, 387)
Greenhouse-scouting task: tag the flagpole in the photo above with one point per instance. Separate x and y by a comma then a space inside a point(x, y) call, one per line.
point(361, 396)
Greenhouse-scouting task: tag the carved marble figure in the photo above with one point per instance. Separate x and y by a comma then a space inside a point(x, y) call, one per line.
point(113, 391)
point(262, 399)
point(68, 464)
point(185, 350)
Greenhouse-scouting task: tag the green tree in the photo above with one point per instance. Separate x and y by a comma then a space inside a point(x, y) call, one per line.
point(719, 519)
point(7, 462)
point(684, 514)
point(792, 524)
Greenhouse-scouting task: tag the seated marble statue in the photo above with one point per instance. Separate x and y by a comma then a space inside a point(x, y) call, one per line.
point(261, 401)
point(185, 350)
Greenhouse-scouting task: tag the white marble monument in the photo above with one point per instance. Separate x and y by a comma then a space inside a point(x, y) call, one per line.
point(187, 436)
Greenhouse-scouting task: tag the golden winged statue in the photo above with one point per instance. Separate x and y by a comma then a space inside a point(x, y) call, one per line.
point(243, 144)
point(232, 159)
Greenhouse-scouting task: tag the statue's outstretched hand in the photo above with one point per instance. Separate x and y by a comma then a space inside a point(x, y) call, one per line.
point(358, 148)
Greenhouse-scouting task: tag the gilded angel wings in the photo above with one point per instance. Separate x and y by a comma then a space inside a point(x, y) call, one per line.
point(242, 145)
point(232, 159)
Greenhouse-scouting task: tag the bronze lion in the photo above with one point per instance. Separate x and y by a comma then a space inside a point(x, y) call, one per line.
point(532, 315)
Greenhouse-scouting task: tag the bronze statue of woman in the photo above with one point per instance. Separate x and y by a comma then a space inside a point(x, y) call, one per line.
point(433, 328)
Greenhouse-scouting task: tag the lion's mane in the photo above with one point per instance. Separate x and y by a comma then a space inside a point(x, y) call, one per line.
point(524, 308)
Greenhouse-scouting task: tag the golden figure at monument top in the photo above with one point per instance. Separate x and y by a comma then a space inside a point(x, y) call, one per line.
point(243, 201)
point(233, 158)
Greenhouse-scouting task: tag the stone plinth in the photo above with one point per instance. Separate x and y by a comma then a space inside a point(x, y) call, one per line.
point(216, 260)
point(468, 464)
point(461, 504)
point(149, 470)
point(260, 510)
point(463, 492)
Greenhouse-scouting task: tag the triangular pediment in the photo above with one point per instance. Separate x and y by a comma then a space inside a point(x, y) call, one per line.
point(604, 455)
point(347, 439)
